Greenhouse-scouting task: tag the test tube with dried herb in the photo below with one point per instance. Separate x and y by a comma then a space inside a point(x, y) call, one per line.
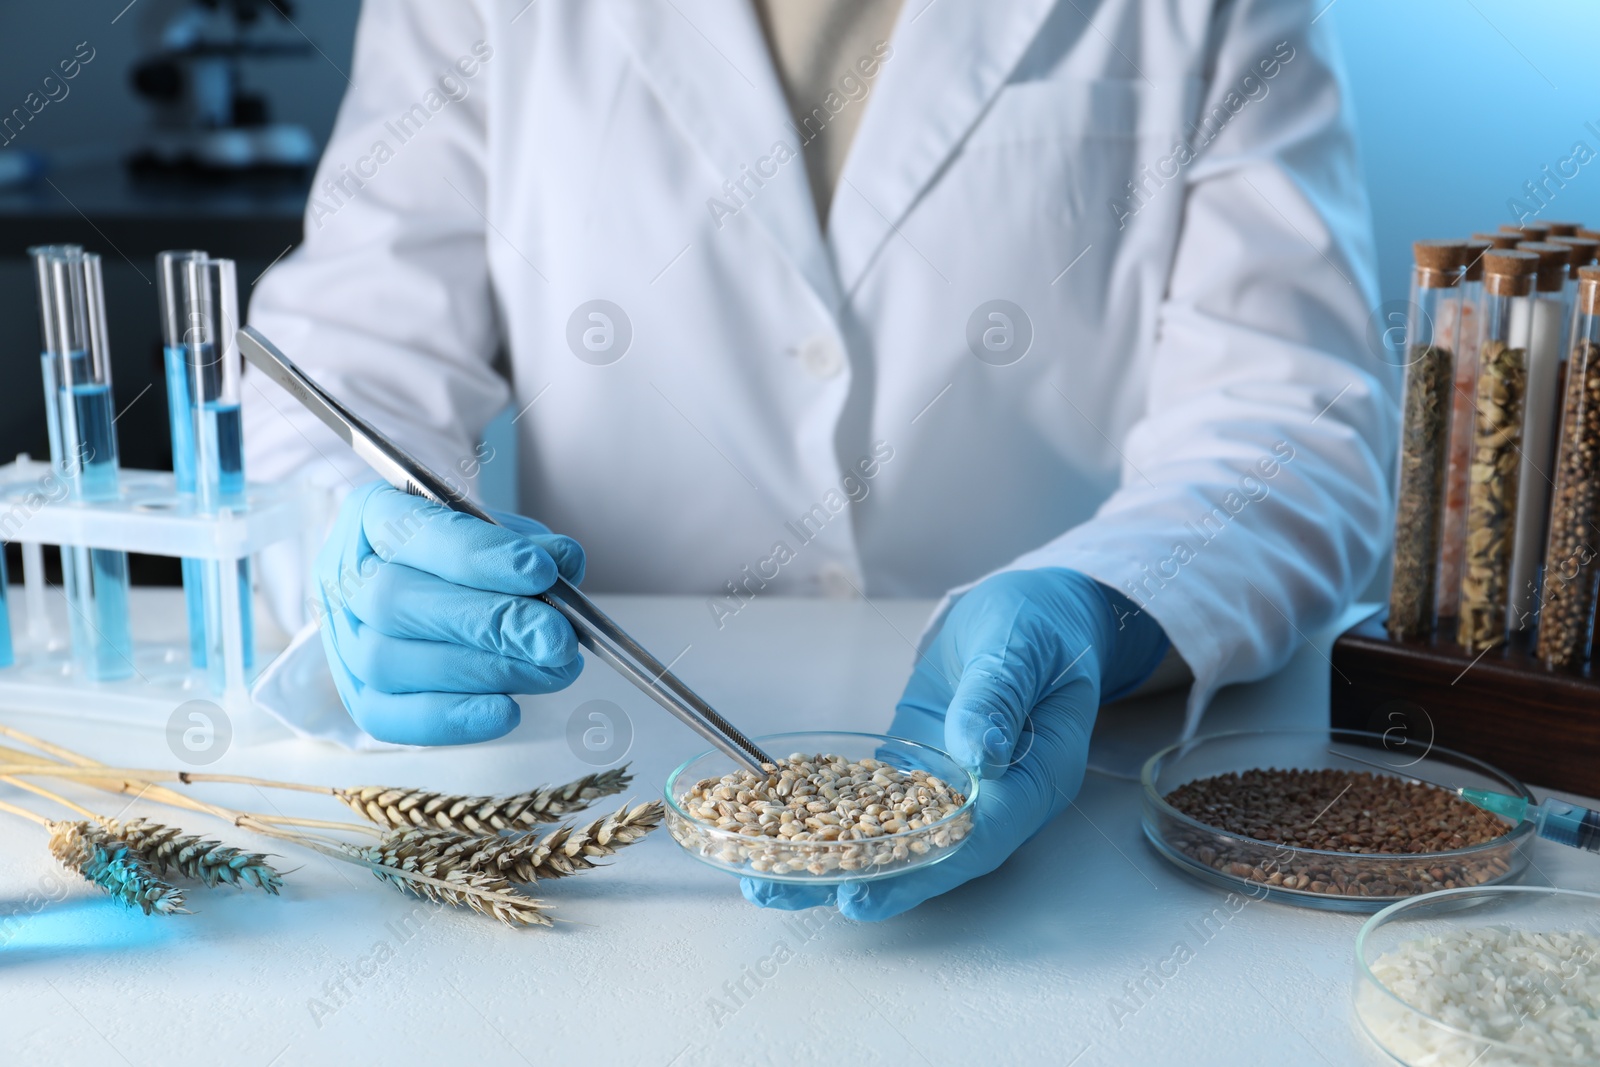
point(1453, 531)
point(1547, 342)
point(1425, 436)
point(1568, 612)
point(1505, 325)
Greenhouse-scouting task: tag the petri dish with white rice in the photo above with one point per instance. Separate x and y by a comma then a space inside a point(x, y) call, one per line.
point(1483, 977)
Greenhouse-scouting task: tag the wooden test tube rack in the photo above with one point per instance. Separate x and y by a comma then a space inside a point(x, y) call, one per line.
point(1505, 708)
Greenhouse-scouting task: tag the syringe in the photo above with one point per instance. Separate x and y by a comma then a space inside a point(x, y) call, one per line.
point(1554, 820)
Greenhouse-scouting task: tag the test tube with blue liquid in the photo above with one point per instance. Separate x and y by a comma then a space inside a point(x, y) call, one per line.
point(211, 318)
point(7, 652)
point(170, 289)
point(48, 356)
point(77, 377)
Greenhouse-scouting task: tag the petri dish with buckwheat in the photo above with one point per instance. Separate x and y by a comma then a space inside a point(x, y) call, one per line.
point(1206, 811)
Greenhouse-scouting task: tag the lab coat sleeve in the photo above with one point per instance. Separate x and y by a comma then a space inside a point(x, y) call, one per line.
point(1254, 496)
point(387, 301)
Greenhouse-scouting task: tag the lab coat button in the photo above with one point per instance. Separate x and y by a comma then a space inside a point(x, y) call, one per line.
point(821, 357)
point(837, 582)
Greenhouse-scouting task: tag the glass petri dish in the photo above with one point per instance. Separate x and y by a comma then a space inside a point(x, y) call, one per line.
point(1519, 1022)
point(824, 862)
point(1334, 881)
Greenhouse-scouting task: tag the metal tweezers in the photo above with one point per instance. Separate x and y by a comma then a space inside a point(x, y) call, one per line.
point(596, 631)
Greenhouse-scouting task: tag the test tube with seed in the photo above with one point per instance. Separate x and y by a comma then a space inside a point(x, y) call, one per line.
point(1453, 528)
point(1505, 322)
point(1581, 252)
point(1568, 612)
point(1547, 341)
point(1528, 231)
point(1425, 435)
point(1500, 238)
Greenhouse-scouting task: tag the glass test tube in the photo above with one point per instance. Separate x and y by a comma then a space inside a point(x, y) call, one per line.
point(84, 448)
point(211, 318)
point(1500, 239)
point(1424, 440)
point(1546, 350)
point(1567, 617)
point(1583, 251)
point(1530, 231)
point(1505, 324)
point(1453, 528)
point(7, 652)
point(41, 256)
point(181, 418)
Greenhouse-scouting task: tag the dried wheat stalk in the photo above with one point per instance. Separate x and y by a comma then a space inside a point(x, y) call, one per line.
point(399, 809)
point(111, 864)
point(167, 848)
point(529, 857)
point(445, 879)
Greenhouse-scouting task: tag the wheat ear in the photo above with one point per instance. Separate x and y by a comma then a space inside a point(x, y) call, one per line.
point(449, 882)
point(399, 809)
point(167, 848)
point(530, 857)
point(109, 863)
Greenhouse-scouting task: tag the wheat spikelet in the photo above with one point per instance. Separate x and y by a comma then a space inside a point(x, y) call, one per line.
point(530, 857)
point(109, 863)
point(167, 848)
point(398, 809)
point(569, 851)
point(484, 893)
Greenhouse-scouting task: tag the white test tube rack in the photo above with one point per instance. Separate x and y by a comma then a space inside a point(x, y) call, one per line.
point(148, 517)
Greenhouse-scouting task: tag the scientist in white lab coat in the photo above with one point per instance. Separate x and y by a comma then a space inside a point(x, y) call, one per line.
point(1055, 307)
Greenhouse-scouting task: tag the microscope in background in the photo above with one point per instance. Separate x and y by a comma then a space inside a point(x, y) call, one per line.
point(205, 122)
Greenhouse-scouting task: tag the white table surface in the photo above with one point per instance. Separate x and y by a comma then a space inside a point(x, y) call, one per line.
point(1030, 965)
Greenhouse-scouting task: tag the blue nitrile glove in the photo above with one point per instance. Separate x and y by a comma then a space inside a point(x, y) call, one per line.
point(1038, 649)
point(429, 620)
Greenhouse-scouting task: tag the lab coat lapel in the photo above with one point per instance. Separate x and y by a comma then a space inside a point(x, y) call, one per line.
point(950, 58)
point(707, 62)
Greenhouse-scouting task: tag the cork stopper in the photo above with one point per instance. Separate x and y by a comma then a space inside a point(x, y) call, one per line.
point(1583, 250)
point(1509, 272)
point(1475, 251)
point(1439, 263)
point(1562, 229)
point(1553, 260)
point(1532, 231)
point(1594, 234)
point(1499, 240)
point(1589, 290)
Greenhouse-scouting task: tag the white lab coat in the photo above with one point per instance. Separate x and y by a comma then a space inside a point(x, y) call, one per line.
point(1184, 341)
